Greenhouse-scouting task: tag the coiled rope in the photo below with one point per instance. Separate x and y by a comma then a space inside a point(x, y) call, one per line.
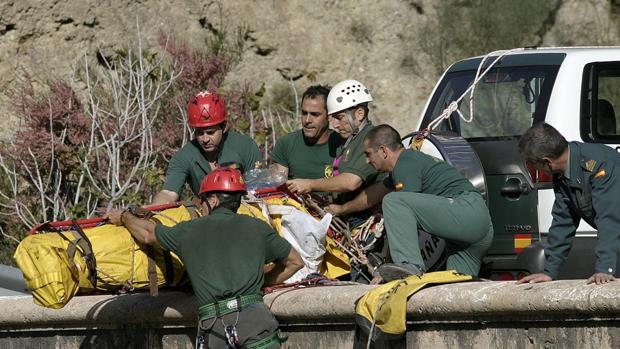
point(454, 105)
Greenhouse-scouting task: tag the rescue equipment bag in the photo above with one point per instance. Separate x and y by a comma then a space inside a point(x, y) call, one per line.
point(381, 313)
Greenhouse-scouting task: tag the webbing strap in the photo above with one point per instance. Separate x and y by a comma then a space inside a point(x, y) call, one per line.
point(169, 273)
point(228, 306)
point(86, 247)
point(151, 264)
point(274, 338)
point(152, 272)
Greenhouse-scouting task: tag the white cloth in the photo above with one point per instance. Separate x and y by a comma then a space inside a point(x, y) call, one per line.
point(307, 236)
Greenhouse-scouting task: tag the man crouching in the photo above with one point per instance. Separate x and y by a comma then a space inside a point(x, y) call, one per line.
point(224, 254)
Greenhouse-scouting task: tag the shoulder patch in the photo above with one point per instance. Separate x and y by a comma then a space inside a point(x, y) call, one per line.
point(590, 165)
point(600, 174)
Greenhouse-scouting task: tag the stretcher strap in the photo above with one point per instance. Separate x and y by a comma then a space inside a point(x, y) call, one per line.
point(86, 248)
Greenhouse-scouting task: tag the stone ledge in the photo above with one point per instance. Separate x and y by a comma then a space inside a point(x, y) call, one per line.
point(333, 304)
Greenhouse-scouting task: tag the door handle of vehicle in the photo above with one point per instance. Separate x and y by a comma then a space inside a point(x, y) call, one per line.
point(513, 188)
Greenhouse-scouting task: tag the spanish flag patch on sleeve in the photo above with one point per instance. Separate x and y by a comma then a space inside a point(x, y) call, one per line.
point(600, 174)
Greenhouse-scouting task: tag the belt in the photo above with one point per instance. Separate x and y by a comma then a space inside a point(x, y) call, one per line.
point(227, 306)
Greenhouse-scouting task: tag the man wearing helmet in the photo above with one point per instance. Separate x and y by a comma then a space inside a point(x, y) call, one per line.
point(309, 152)
point(211, 147)
point(224, 254)
point(347, 104)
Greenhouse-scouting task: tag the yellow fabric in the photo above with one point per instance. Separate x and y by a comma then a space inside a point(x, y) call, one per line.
point(386, 305)
point(335, 262)
point(54, 279)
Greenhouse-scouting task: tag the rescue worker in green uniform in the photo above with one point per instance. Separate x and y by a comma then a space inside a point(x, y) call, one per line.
point(422, 191)
point(309, 152)
point(212, 146)
point(586, 182)
point(347, 104)
point(224, 254)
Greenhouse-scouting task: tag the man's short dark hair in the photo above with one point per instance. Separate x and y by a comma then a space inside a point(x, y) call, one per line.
point(229, 200)
point(384, 135)
point(540, 141)
point(316, 91)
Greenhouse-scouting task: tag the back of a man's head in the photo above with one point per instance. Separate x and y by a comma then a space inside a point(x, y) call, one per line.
point(540, 141)
point(384, 135)
point(229, 200)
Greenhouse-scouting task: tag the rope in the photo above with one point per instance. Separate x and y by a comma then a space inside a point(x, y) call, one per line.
point(127, 286)
point(305, 284)
point(454, 105)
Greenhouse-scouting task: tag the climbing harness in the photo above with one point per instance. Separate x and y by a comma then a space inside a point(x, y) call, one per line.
point(217, 310)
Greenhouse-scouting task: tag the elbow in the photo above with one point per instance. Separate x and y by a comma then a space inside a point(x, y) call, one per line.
point(296, 263)
point(353, 185)
point(150, 239)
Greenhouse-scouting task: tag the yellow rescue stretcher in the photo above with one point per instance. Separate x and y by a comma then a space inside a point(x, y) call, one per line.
point(66, 258)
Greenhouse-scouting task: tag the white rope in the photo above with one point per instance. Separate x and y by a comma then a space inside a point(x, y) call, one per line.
point(454, 105)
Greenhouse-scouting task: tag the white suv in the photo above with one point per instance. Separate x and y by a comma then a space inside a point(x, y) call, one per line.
point(577, 90)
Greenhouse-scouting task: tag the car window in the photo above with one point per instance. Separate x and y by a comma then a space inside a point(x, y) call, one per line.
point(506, 101)
point(600, 102)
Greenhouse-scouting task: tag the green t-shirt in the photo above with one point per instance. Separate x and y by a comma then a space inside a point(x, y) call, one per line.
point(189, 165)
point(418, 172)
point(353, 160)
point(303, 160)
point(224, 253)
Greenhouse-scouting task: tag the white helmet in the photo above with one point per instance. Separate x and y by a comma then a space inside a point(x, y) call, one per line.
point(347, 94)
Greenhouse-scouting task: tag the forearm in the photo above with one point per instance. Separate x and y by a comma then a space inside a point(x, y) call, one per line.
point(284, 270)
point(142, 230)
point(368, 198)
point(279, 274)
point(559, 243)
point(342, 183)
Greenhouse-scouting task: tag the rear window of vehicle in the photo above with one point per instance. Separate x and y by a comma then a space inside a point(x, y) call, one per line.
point(506, 101)
point(600, 101)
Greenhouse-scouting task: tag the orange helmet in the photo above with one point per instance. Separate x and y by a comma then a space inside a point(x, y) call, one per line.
point(223, 179)
point(206, 109)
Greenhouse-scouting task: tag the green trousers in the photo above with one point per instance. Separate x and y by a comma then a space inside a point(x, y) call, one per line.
point(252, 323)
point(462, 221)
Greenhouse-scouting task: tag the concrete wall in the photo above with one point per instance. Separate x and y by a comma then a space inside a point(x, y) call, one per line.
point(561, 314)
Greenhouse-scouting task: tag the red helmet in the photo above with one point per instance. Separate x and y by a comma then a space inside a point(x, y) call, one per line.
point(206, 109)
point(223, 179)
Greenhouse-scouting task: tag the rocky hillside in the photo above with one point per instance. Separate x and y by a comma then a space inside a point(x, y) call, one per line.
point(386, 44)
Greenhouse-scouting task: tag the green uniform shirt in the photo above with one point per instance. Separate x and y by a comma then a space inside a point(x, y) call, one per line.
point(305, 160)
point(421, 173)
point(353, 160)
point(224, 253)
point(189, 165)
point(591, 193)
